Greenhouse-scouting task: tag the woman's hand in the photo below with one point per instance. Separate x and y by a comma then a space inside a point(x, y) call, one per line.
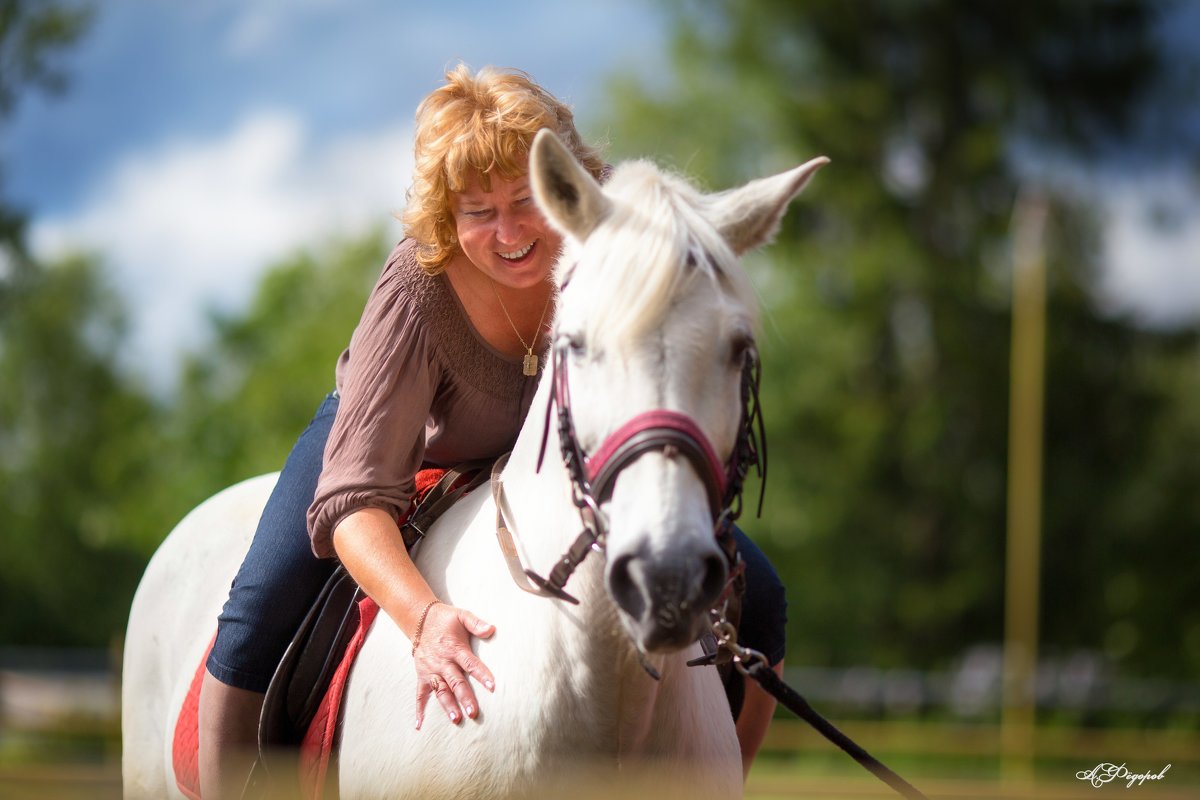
point(370, 547)
point(443, 659)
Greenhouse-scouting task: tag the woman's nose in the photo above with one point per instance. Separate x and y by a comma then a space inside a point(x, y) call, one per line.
point(508, 228)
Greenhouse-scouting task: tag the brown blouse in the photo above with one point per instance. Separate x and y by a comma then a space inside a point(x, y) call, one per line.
point(419, 386)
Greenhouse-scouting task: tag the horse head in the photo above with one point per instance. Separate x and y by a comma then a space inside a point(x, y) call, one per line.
point(653, 335)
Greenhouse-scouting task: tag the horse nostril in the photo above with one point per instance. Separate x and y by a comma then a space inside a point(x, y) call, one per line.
point(624, 587)
point(713, 582)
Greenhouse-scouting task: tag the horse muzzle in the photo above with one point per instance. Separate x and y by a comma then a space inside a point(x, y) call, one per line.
point(665, 598)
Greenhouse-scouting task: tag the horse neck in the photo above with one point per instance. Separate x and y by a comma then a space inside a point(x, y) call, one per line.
point(605, 668)
point(545, 521)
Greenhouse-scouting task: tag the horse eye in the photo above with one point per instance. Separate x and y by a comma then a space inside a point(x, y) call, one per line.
point(741, 348)
point(575, 344)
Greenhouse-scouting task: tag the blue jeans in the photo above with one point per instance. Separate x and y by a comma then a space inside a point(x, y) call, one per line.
point(280, 577)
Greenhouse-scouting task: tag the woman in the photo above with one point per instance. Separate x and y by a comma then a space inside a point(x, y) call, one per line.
point(441, 369)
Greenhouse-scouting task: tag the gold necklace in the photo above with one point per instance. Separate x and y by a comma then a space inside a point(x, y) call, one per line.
point(530, 365)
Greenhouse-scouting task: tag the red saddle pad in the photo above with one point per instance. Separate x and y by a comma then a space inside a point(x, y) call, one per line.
point(319, 741)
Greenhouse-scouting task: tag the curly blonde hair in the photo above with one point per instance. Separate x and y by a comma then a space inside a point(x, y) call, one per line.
point(477, 124)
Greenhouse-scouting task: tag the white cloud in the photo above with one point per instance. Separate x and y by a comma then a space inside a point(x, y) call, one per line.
point(192, 224)
point(1152, 265)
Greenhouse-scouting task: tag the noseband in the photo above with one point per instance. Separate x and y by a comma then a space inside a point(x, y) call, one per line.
point(669, 432)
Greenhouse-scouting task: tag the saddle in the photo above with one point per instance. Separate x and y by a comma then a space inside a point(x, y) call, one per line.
point(314, 667)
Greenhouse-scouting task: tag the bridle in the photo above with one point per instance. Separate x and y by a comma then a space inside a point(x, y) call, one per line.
point(672, 433)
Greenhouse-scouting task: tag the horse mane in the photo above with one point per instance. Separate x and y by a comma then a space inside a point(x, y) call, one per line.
point(655, 240)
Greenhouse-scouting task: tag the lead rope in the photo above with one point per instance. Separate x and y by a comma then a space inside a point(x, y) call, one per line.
point(754, 664)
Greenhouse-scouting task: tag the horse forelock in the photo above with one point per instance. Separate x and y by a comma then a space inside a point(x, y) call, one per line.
point(652, 245)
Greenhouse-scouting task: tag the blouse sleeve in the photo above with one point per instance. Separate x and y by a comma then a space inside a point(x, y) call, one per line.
point(378, 438)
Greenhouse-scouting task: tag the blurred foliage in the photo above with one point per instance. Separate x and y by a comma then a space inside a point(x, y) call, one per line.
point(32, 34)
point(245, 399)
point(64, 496)
point(886, 316)
point(94, 471)
point(74, 447)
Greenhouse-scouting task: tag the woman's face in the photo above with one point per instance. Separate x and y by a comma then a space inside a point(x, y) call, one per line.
point(502, 232)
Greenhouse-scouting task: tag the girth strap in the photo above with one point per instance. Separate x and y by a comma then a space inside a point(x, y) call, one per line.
point(445, 493)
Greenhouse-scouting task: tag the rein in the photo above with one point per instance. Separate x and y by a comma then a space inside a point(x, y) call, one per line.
point(672, 433)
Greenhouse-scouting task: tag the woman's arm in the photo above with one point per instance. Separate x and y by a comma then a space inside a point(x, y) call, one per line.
point(370, 547)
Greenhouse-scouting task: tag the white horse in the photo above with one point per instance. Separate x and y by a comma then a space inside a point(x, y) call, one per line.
point(655, 313)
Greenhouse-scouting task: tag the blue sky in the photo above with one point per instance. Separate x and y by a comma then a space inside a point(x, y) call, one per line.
point(158, 70)
point(199, 142)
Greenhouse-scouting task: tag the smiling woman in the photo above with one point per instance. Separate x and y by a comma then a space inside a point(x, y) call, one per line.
point(469, 139)
point(433, 376)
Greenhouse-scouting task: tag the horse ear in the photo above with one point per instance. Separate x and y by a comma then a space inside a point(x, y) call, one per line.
point(749, 216)
point(568, 196)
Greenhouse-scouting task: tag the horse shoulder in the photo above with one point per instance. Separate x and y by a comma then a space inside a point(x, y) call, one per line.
point(461, 560)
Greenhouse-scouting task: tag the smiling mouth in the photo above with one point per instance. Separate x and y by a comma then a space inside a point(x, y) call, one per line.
point(517, 255)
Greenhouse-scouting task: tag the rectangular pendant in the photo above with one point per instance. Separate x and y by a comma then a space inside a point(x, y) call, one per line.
point(531, 365)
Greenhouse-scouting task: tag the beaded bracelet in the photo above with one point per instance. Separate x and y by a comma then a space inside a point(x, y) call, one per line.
point(421, 625)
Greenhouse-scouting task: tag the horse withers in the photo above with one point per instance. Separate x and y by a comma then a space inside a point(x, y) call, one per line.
point(653, 327)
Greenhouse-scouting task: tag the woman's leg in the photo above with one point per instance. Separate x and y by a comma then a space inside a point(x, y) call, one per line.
point(228, 736)
point(273, 591)
point(762, 628)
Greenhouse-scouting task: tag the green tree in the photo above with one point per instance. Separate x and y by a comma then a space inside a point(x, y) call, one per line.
point(886, 317)
point(32, 36)
point(76, 451)
point(94, 473)
point(74, 431)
